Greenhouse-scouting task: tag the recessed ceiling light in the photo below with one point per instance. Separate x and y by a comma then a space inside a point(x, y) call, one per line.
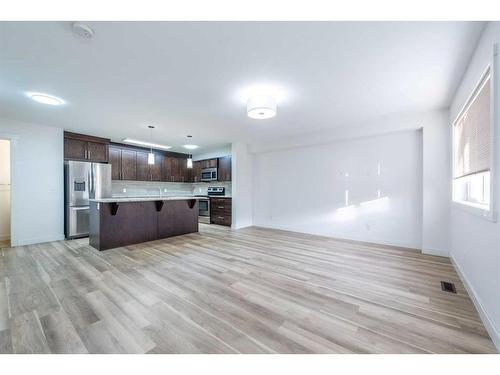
point(45, 98)
point(261, 107)
point(144, 143)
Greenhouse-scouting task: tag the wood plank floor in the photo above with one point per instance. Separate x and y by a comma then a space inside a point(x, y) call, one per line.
point(253, 290)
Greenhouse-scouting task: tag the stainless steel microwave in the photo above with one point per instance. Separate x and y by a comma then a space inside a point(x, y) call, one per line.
point(209, 174)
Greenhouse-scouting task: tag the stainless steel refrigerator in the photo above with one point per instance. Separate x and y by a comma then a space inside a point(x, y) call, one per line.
point(83, 181)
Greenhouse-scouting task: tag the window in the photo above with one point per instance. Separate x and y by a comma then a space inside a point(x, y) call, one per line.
point(472, 150)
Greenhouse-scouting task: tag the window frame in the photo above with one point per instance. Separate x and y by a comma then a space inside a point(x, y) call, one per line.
point(471, 207)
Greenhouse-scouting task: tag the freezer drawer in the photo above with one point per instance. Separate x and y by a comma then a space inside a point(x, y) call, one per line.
point(78, 222)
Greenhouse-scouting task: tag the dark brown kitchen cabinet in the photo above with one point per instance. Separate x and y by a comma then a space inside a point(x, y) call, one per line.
point(196, 172)
point(85, 148)
point(221, 211)
point(128, 164)
point(75, 149)
point(209, 163)
point(123, 163)
point(97, 152)
point(115, 159)
point(143, 166)
point(175, 170)
point(155, 169)
point(224, 170)
point(167, 169)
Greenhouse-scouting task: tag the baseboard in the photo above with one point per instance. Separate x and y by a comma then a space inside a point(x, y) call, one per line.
point(436, 252)
point(488, 323)
point(32, 241)
point(367, 241)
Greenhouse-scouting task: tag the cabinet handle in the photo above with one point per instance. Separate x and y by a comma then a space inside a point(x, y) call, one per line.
point(220, 206)
point(88, 153)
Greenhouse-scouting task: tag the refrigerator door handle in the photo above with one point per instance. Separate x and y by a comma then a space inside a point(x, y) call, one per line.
point(80, 208)
point(91, 182)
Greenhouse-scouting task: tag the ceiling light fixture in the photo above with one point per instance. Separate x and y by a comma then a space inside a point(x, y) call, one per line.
point(189, 145)
point(45, 98)
point(147, 144)
point(190, 161)
point(261, 107)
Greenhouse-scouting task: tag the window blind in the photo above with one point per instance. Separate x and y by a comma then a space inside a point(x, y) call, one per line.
point(472, 134)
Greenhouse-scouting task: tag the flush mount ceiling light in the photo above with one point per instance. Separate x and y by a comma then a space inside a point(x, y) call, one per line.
point(261, 107)
point(45, 98)
point(189, 145)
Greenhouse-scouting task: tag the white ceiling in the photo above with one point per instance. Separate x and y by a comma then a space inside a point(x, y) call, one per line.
point(187, 77)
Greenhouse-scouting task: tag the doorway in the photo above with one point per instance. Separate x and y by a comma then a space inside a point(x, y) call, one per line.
point(5, 193)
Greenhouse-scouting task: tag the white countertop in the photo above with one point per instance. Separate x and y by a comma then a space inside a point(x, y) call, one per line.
point(143, 199)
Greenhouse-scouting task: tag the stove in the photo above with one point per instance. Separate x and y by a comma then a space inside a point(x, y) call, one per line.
point(217, 190)
point(204, 203)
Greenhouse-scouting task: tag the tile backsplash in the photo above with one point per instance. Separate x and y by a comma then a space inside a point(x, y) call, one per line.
point(148, 188)
point(200, 188)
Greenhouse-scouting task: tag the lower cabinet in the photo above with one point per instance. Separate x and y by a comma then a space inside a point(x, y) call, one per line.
point(220, 211)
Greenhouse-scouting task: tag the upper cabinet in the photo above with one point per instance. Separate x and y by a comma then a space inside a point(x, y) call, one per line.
point(175, 170)
point(224, 171)
point(123, 163)
point(155, 169)
point(209, 163)
point(115, 159)
point(222, 164)
point(85, 148)
point(196, 172)
point(128, 164)
point(131, 163)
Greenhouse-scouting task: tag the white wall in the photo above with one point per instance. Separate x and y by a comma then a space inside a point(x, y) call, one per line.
point(242, 185)
point(436, 175)
point(475, 242)
point(4, 190)
point(303, 189)
point(436, 184)
point(37, 182)
point(215, 153)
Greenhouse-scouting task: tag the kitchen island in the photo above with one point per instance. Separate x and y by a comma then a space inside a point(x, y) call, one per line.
point(123, 221)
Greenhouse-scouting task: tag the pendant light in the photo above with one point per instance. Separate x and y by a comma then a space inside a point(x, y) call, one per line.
point(190, 157)
point(151, 156)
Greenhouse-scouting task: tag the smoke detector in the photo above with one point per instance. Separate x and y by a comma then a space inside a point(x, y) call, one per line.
point(83, 30)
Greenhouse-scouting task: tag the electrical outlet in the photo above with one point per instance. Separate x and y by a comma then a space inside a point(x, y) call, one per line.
point(124, 190)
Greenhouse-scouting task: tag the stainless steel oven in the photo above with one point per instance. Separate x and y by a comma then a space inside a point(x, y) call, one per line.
point(204, 206)
point(209, 174)
point(204, 210)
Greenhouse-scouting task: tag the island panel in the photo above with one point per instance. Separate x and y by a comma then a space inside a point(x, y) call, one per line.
point(117, 224)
